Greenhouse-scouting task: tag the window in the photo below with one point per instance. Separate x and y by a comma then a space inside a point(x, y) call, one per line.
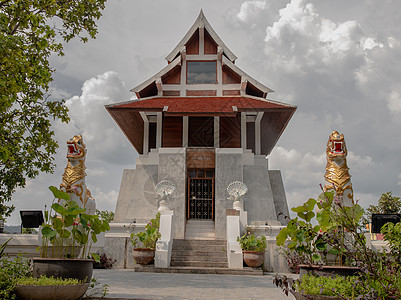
point(201, 72)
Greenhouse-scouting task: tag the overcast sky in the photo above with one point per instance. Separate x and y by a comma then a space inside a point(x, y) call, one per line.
point(338, 61)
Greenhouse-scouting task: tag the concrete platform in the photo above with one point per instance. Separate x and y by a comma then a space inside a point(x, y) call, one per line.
point(127, 284)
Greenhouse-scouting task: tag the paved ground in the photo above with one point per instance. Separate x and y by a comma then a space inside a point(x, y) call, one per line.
point(126, 284)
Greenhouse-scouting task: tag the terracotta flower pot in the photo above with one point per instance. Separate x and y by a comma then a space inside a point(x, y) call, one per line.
point(254, 258)
point(80, 269)
point(51, 292)
point(143, 256)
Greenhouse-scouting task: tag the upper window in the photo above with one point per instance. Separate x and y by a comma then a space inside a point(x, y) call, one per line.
point(201, 72)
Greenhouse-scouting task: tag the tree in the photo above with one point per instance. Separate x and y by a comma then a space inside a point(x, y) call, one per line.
point(31, 31)
point(387, 204)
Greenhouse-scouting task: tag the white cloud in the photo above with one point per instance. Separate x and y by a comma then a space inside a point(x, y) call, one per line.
point(394, 103)
point(399, 179)
point(249, 9)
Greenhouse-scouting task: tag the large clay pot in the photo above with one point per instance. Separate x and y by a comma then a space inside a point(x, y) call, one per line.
point(254, 258)
point(80, 269)
point(328, 270)
point(51, 292)
point(143, 256)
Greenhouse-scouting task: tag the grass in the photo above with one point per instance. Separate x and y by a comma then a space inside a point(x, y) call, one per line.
point(43, 280)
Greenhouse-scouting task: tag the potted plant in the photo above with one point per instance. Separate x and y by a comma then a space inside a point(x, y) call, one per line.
point(380, 271)
point(147, 238)
point(67, 236)
point(48, 288)
point(326, 247)
point(253, 249)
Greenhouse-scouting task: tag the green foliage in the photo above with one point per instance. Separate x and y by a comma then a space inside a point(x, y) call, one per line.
point(315, 242)
point(149, 236)
point(340, 226)
point(387, 204)
point(43, 280)
point(5, 211)
point(3, 247)
point(392, 234)
point(30, 32)
point(105, 215)
point(249, 242)
point(70, 227)
point(328, 286)
point(10, 271)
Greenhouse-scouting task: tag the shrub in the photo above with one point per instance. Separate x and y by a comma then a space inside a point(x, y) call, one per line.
point(10, 271)
point(328, 286)
point(249, 242)
point(149, 236)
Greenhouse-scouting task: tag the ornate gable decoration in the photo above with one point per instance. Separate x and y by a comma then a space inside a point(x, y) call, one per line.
point(201, 65)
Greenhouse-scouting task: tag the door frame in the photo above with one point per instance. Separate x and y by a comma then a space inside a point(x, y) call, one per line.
point(187, 202)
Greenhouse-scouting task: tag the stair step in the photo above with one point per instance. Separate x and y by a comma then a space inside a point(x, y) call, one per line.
point(200, 270)
point(217, 259)
point(199, 242)
point(200, 253)
point(199, 264)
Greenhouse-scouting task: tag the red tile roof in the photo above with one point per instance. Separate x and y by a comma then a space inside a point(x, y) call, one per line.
point(201, 104)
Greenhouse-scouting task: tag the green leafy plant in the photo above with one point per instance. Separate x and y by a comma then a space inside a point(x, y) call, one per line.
point(329, 235)
point(329, 286)
point(10, 271)
point(70, 226)
point(392, 234)
point(249, 242)
point(305, 238)
point(380, 272)
point(43, 280)
point(387, 204)
point(149, 236)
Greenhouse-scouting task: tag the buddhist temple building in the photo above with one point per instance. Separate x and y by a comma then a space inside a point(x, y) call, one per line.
point(202, 123)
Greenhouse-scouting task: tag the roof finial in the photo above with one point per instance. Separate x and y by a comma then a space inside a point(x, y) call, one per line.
point(201, 15)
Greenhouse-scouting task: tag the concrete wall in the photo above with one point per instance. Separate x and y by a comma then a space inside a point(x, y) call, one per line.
point(172, 166)
point(280, 200)
point(229, 168)
point(137, 199)
point(258, 202)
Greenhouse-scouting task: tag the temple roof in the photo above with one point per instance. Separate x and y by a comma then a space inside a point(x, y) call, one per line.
point(201, 105)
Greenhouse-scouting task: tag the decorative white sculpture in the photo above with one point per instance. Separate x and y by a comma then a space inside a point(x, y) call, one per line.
point(164, 189)
point(236, 190)
point(74, 175)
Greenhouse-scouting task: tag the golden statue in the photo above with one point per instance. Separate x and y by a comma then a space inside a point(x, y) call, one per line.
point(337, 175)
point(74, 175)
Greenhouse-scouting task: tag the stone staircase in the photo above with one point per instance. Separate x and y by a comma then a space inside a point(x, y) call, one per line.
point(199, 253)
point(199, 257)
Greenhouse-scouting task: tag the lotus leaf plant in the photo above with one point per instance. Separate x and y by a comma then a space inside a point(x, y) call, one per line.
point(68, 226)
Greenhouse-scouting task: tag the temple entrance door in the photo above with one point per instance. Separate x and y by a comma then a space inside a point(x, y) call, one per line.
point(200, 195)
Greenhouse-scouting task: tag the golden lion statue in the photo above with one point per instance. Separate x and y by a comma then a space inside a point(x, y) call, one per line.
point(337, 175)
point(74, 175)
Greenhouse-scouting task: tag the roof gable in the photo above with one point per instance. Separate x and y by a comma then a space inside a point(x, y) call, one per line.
point(201, 22)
